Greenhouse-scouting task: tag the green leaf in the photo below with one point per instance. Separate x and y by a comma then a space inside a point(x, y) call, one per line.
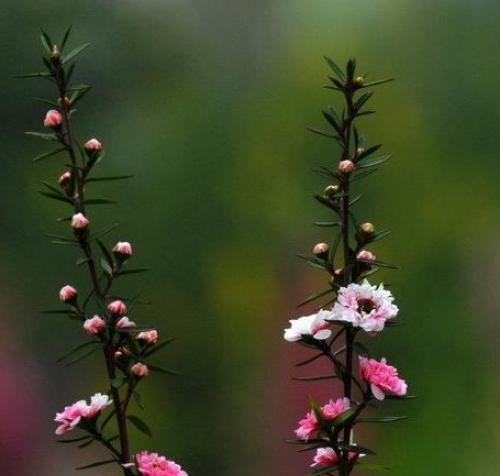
point(343, 417)
point(335, 68)
point(140, 424)
point(377, 262)
point(48, 154)
point(320, 132)
point(109, 179)
point(316, 377)
point(156, 368)
point(78, 95)
point(41, 74)
point(106, 267)
point(325, 470)
point(374, 162)
point(356, 449)
point(53, 189)
point(138, 399)
point(158, 347)
point(76, 349)
point(80, 357)
point(46, 42)
point(65, 37)
point(99, 463)
point(58, 311)
point(54, 196)
point(383, 419)
point(351, 69)
point(105, 253)
point(104, 231)
point(315, 296)
point(315, 262)
point(132, 271)
point(379, 81)
point(117, 382)
point(42, 135)
point(369, 151)
point(327, 223)
point(379, 235)
point(74, 53)
point(74, 440)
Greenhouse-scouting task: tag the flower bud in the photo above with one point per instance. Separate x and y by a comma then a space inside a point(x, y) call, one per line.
point(117, 308)
point(321, 250)
point(92, 145)
point(53, 119)
point(79, 222)
point(346, 166)
point(94, 326)
point(358, 82)
point(65, 179)
point(140, 370)
point(331, 190)
point(68, 294)
point(367, 228)
point(149, 337)
point(64, 102)
point(359, 151)
point(124, 323)
point(55, 54)
point(366, 255)
point(122, 250)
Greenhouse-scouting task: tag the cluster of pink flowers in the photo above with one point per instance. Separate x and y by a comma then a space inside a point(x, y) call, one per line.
point(383, 378)
point(309, 425)
point(71, 416)
point(153, 464)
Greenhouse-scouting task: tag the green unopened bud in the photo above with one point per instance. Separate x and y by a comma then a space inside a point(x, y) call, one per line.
point(359, 151)
point(331, 190)
point(358, 82)
point(55, 54)
point(367, 228)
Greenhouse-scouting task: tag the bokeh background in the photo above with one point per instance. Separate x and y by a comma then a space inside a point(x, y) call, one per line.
point(206, 103)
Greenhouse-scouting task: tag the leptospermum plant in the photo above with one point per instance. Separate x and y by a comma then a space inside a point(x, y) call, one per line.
point(353, 306)
point(100, 315)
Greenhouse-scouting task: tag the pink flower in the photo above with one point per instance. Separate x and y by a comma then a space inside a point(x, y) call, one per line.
point(314, 325)
point(366, 255)
point(71, 416)
point(153, 464)
point(328, 456)
point(335, 407)
point(123, 249)
point(94, 326)
point(53, 118)
point(346, 166)
point(79, 221)
point(65, 179)
point(67, 293)
point(124, 323)
point(307, 426)
point(93, 145)
point(365, 306)
point(98, 402)
point(117, 307)
point(148, 336)
point(141, 370)
point(383, 378)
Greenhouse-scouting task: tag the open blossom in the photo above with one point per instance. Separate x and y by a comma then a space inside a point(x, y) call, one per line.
point(365, 306)
point(53, 118)
point(309, 424)
point(366, 255)
point(123, 249)
point(328, 456)
point(79, 221)
point(314, 325)
point(93, 145)
point(383, 378)
point(141, 370)
point(71, 416)
point(67, 293)
point(148, 336)
point(117, 307)
point(124, 323)
point(153, 464)
point(94, 325)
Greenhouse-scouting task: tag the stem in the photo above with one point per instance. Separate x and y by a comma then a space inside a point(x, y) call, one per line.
point(67, 140)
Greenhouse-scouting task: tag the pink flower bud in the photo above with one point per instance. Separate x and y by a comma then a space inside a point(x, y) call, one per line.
point(117, 307)
point(53, 119)
point(124, 323)
point(65, 179)
point(148, 336)
point(123, 249)
point(320, 249)
point(141, 370)
point(67, 294)
point(366, 255)
point(94, 326)
point(79, 222)
point(346, 166)
point(93, 145)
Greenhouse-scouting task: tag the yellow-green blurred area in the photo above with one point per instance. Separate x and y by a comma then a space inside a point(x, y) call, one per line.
point(206, 103)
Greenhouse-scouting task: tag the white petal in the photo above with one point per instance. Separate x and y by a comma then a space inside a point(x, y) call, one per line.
point(323, 334)
point(377, 393)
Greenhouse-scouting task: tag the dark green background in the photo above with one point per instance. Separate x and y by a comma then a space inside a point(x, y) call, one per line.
point(206, 102)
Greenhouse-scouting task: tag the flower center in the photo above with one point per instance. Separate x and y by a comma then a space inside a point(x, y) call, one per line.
point(366, 305)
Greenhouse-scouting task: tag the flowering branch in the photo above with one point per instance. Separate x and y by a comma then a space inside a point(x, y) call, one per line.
point(126, 347)
point(353, 304)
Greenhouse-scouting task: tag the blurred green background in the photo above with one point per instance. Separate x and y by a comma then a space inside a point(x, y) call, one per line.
point(206, 103)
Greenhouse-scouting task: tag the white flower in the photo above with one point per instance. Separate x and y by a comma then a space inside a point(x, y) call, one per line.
point(365, 306)
point(97, 403)
point(314, 325)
